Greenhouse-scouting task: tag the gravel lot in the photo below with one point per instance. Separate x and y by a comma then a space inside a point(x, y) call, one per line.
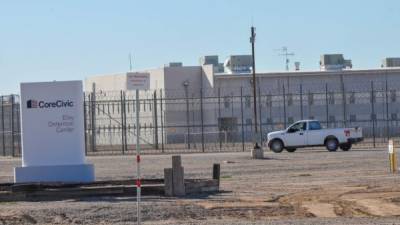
point(310, 186)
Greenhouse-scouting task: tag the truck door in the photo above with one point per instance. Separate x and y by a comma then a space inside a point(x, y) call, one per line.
point(314, 134)
point(295, 135)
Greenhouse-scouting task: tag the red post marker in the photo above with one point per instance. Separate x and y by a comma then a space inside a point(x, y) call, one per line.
point(138, 183)
point(138, 158)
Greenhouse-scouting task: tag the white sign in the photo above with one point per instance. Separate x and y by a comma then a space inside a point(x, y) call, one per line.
point(390, 147)
point(137, 81)
point(52, 123)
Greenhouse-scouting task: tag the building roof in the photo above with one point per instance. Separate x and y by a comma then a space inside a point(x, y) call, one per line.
point(310, 73)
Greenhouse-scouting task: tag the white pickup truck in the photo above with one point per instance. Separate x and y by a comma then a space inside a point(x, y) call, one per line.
point(309, 133)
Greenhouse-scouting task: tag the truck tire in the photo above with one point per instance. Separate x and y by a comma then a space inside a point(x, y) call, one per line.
point(291, 149)
point(332, 144)
point(276, 146)
point(346, 146)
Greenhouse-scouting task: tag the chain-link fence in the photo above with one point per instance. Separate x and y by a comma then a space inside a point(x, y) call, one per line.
point(10, 138)
point(220, 119)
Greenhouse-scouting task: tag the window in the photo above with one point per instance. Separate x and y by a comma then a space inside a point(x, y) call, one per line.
point(394, 116)
point(290, 120)
point(227, 101)
point(373, 116)
point(352, 98)
point(332, 119)
point(247, 101)
point(310, 99)
point(353, 118)
point(289, 99)
point(311, 117)
point(331, 98)
point(393, 95)
point(314, 125)
point(270, 121)
point(297, 127)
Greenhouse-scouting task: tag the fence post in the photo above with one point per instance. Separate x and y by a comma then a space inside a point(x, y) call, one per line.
point(18, 110)
point(85, 120)
point(155, 120)
point(284, 106)
point(343, 100)
point(162, 121)
point(125, 122)
point(122, 122)
point(327, 105)
point(259, 112)
point(219, 118)
point(202, 119)
point(93, 117)
point(387, 110)
point(2, 126)
point(227, 130)
point(373, 112)
point(241, 113)
point(187, 116)
point(301, 101)
point(12, 126)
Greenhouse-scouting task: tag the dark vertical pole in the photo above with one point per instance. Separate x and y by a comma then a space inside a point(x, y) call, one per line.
point(187, 116)
point(241, 113)
point(301, 101)
point(2, 126)
point(202, 119)
point(12, 126)
point(155, 119)
point(387, 109)
point(219, 118)
point(259, 112)
point(252, 41)
point(85, 121)
point(226, 132)
point(162, 121)
point(193, 122)
point(373, 112)
point(122, 123)
point(216, 172)
point(93, 123)
point(343, 101)
point(284, 105)
point(327, 105)
point(125, 123)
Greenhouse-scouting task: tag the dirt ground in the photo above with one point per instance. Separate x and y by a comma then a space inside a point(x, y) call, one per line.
point(310, 186)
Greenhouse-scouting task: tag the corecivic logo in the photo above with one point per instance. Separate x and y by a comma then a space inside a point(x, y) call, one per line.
point(32, 104)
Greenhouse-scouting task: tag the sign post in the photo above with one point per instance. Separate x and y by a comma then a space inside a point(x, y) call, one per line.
point(138, 81)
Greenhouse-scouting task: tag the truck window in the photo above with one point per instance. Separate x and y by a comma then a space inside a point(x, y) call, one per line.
point(297, 127)
point(314, 125)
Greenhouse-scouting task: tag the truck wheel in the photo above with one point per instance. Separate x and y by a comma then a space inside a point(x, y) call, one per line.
point(276, 146)
point(345, 147)
point(291, 149)
point(332, 144)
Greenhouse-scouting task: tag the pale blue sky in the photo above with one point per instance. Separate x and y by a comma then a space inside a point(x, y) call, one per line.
point(61, 40)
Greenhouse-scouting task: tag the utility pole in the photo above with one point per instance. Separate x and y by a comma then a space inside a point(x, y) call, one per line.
point(252, 41)
point(285, 53)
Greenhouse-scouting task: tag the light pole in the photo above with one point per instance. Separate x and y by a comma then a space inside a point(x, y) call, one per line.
point(186, 85)
point(252, 41)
